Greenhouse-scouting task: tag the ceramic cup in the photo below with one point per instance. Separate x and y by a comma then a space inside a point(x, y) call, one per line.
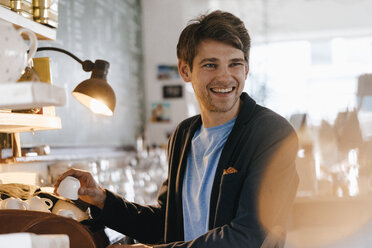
point(61, 205)
point(67, 213)
point(69, 188)
point(40, 204)
point(13, 53)
point(14, 203)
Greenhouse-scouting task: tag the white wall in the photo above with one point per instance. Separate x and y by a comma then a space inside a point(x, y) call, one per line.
point(163, 21)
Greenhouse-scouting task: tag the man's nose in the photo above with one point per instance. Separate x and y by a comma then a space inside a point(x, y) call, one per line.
point(223, 73)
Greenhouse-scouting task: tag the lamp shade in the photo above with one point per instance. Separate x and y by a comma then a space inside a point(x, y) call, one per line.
point(95, 93)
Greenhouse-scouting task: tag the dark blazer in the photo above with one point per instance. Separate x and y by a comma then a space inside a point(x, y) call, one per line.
point(244, 205)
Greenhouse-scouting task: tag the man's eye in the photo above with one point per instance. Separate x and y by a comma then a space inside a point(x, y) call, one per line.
point(210, 65)
point(236, 64)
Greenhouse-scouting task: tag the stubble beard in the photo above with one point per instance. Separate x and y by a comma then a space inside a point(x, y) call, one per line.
point(206, 101)
point(219, 107)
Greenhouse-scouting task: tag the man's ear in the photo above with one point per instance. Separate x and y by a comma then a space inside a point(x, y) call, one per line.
point(184, 70)
point(246, 71)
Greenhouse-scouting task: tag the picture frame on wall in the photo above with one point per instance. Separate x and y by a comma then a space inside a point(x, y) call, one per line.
point(172, 91)
point(160, 112)
point(166, 72)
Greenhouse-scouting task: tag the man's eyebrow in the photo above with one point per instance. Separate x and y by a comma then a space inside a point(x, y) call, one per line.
point(207, 60)
point(237, 60)
point(215, 60)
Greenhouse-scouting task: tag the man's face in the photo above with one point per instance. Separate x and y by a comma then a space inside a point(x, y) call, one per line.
point(218, 76)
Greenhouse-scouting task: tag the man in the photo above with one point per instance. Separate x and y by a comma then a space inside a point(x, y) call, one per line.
point(231, 177)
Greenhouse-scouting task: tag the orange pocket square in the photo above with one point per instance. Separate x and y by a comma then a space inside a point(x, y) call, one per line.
point(229, 170)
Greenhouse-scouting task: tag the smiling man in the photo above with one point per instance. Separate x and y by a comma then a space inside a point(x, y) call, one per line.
point(232, 177)
point(217, 77)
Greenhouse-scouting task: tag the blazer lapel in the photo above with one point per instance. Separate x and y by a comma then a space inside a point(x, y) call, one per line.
point(226, 160)
point(181, 170)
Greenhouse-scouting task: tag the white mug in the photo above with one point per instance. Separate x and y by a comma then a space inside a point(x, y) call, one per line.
point(13, 53)
point(69, 188)
point(66, 213)
point(40, 204)
point(14, 203)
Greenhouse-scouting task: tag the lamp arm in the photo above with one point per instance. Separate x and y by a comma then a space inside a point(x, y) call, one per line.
point(86, 64)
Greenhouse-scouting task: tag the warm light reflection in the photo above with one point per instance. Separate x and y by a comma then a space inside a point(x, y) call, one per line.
point(94, 105)
point(99, 107)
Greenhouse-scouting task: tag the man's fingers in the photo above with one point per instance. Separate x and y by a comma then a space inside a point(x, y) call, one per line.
point(87, 191)
point(79, 174)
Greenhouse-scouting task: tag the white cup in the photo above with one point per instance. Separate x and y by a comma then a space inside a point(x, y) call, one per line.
point(69, 188)
point(40, 204)
point(14, 203)
point(64, 205)
point(67, 213)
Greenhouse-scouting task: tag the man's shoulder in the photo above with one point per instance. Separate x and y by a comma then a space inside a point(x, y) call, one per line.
point(253, 113)
point(189, 122)
point(264, 114)
point(186, 125)
point(179, 134)
point(267, 121)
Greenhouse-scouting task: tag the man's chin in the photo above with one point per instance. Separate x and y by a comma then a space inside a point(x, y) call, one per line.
point(225, 106)
point(222, 108)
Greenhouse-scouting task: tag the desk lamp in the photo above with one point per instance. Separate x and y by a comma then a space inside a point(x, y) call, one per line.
point(94, 93)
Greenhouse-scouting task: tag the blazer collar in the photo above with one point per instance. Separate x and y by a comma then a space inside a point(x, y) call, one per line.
point(245, 114)
point(247, 109)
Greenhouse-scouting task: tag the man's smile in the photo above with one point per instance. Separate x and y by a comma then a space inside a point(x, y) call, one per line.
point(222, 90)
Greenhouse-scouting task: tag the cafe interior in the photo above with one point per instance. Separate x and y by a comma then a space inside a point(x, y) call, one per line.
point(310, 61)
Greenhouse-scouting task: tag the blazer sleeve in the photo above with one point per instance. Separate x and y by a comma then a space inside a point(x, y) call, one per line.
point(143, 223)
point(265, 199)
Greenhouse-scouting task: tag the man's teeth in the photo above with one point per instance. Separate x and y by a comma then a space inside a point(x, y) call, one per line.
point(222, 90)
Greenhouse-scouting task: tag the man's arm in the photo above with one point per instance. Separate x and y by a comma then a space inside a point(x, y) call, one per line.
point(143, 223)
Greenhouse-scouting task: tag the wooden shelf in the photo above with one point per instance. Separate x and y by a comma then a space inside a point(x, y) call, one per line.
point(14, 122)
point(27, 95)
point(42, 32)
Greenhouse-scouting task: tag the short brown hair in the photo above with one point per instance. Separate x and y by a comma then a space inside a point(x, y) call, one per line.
point(219, 26)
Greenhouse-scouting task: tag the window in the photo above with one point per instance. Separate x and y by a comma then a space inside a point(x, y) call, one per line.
point(317, 77)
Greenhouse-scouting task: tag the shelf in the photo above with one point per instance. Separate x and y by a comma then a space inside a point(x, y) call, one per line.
point(42, 32)
point(27, 95)
point(14, 122)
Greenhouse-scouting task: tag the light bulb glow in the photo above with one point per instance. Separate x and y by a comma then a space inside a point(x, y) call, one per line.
point(99, 107)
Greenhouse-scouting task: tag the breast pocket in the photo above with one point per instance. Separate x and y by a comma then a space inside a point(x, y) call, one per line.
point(228, 198)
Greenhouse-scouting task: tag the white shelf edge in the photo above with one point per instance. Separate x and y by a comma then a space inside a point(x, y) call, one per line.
point(26, 95)
point(43, 32)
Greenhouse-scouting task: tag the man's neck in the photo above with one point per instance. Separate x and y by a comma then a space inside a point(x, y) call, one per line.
point(213, 119)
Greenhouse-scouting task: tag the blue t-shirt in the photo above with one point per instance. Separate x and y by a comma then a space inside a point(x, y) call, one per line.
point(202, 161)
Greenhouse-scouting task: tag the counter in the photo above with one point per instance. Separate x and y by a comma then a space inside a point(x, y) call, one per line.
point(330, 222)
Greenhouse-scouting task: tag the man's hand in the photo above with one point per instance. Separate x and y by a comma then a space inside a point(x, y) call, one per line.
point(90, 191)
point(129, 246)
